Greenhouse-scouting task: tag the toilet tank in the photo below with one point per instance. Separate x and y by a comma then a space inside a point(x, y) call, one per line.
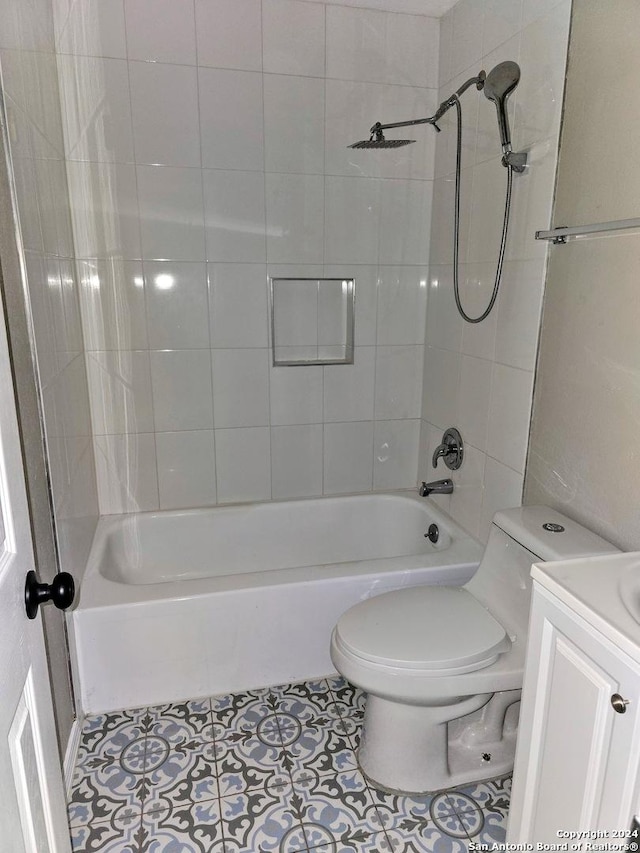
point(517, 539)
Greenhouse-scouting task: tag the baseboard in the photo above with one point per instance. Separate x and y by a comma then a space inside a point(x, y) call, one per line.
point(71, 753)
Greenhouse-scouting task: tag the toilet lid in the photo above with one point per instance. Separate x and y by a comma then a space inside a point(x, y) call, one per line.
point(426, 628)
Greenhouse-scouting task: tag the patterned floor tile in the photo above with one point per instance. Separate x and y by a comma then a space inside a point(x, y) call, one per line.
point(336, 810)
point(119, 834)
point(431, 840)
point(186, 829)
point(104, 784)
point(261, 821)
point(489, 796)
point(412, 814)
point(241, 712)
point(262, 771)
point(485, 827)
point(181, 723)
point(239, 771)
point(109, 734)
point(180, 776)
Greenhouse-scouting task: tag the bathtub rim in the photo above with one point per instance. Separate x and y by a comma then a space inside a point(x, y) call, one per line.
point(98, 591)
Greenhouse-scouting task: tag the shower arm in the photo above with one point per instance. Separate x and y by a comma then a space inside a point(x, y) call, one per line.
point(478, 82)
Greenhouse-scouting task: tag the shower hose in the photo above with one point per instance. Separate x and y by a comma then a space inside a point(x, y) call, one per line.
point(456, 238)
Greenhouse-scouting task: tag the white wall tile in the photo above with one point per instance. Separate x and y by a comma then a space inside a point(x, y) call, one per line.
point(127, 476)
point(474, 395)
point(171, 213)
point(351, 110)
point(95, 28)
point(509, 415)
point(519, 310)
point(445, 47)
point(444, 323)
point(366, 289)
point(105, 211)
point(349, 388)
point(55, 215)
point(243, 464)
point(231, 119)
point(296, 461)
point(502, 19)
point(542, 56)
point(487, 211)
point(405, 222)
point(295, 218)
point(161, 30)
point(120, 392)
point(294, 124)
point(398, 382)
point(352, 215)
point(502, 489)
point(348, 457)
point(382, 47)
point(296, 395)
point(186, 469)
point(164, 100)
point(229, 34)
point(238, 310)
point(240, 387)
point(96, 108)
point(293, 37)
point(402, 305)
point(177, 305)
point(441, 376)
point(182, 397)
point(466, 500)
point(395, 454)
point(467, 34)
point(112, 299)
point(235, 216)
point(476, 287)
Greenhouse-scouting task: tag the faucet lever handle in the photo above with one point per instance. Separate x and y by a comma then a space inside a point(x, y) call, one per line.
point(451, 450)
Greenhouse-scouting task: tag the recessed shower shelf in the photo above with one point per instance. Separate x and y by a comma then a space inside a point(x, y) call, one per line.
point(559, 236)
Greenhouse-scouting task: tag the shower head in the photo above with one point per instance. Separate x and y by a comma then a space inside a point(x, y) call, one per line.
point(377, 140)
point(499, 84)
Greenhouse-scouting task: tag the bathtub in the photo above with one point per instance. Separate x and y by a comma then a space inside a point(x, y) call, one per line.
point(188, 603)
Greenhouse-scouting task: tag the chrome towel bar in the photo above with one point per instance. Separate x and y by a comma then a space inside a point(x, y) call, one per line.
point(560, 235)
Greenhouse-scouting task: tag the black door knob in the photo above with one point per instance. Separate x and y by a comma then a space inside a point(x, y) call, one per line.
point(60, 591)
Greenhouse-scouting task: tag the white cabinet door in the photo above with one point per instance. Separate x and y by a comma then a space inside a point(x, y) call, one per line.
point(577, 758)
point(32, 805)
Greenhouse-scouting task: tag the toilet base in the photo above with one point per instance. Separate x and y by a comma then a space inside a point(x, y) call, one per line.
point(417, 750)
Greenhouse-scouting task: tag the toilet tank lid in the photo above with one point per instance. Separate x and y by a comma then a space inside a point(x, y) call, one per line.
point(525, 525)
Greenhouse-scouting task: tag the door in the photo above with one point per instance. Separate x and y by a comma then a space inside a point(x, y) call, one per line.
point(32, 803)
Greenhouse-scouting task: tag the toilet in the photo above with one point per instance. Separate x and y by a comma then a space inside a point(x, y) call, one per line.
point(443, 666)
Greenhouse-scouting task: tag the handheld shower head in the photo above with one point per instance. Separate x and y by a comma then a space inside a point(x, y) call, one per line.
point(499, 84)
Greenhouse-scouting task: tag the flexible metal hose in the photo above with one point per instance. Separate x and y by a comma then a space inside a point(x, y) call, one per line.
point(456, 237)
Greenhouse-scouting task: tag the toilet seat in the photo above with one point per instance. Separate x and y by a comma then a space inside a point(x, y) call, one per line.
point(428, 630)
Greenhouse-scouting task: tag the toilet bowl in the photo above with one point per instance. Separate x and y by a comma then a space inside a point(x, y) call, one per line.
point(442, 666)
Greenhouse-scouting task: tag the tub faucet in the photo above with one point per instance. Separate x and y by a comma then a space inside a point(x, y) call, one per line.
point(436, 487)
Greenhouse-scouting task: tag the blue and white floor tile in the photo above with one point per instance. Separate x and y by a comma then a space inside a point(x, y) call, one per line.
point(262, 771)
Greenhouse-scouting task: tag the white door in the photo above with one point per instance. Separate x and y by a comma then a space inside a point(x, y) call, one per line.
point(32, 803)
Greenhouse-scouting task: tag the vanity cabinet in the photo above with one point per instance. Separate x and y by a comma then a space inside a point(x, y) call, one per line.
point(577, 763)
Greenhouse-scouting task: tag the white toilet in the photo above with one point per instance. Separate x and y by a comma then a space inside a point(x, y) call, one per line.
point(442, 666)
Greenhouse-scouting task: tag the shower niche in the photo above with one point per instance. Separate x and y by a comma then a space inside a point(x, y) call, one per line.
point(312, 320)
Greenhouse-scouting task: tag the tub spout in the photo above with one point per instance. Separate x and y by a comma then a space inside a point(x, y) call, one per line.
point(436, 487)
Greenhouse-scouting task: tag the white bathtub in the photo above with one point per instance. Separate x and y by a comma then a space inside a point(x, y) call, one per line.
point(191, 603)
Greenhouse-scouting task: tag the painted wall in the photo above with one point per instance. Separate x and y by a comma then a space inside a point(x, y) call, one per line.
point(584, 457)
point(480, 377)
point(207, 150)
point(32, 103)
